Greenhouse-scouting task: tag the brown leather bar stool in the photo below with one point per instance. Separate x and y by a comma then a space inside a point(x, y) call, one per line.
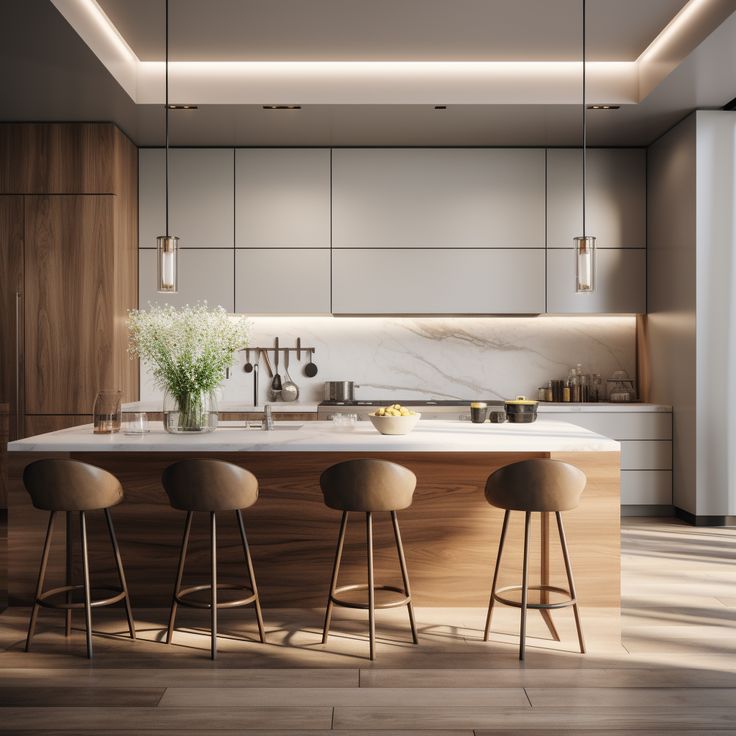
point(70, 486)
point(368, 486)
point(211, 486)
point(537, 485)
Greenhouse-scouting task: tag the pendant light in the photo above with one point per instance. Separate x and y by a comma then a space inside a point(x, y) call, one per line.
point(584, 244)
point(167, 246)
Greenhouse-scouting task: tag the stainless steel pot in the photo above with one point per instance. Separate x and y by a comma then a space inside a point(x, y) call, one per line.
point(340, 390)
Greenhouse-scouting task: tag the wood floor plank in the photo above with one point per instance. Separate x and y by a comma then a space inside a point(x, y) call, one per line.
point(369, 697)
point(663, 676)
point(178, 677)
point(631, 697)
point(76, 720)
point(79, 697)
point(561, 719)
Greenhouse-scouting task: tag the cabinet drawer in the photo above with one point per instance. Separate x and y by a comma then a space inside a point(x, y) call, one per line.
point(646, 487)
point(646, 455)
point(619, 425)
point(437, 281)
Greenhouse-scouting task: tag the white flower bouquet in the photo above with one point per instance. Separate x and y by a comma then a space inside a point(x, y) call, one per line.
point(187, 351)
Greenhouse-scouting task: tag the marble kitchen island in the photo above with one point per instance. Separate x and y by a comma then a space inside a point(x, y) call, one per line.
point(450, 533)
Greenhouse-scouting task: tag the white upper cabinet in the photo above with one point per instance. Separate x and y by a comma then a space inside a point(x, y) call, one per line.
point(616, 197)
point(620, 282)
point(201, 194)
point(282, 198)
point(438, 198)
point(438, 281)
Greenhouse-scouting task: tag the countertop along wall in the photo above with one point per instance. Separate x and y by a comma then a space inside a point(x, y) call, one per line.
point(437, 358)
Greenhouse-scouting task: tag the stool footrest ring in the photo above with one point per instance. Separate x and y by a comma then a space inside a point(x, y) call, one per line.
point(181, 596)
point(569, 600)
point(401, 599)
point(42, 600)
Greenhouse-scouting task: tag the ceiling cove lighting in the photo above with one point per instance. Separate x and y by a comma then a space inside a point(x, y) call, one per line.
point(584, 244)
point(167, 246)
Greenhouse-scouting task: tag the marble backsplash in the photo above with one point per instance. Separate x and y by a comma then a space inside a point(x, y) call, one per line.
point(463, 358)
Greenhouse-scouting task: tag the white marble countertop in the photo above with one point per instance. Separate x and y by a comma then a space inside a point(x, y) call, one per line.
point(428, 436)
point(603, 407)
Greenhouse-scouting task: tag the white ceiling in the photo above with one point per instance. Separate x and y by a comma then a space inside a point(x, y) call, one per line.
point(393, 30)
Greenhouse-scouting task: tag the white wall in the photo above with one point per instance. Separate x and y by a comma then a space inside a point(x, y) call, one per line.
point(441, 358)
point(716, 312)
point(670, 323)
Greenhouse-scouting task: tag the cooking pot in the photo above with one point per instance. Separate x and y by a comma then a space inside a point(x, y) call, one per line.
point(340, 390)
point(521, 410)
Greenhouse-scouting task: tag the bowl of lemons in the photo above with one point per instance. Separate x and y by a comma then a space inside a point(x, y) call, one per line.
point(394, 419)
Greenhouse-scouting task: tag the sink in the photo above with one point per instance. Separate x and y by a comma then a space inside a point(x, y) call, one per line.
point(256, 427)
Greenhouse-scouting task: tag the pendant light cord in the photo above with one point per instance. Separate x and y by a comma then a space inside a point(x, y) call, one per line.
point(166, 113)
point(585, 126)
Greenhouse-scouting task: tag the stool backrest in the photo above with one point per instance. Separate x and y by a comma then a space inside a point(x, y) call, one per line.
point(368, 485)
point(201, 484)
point(57, 484)
point(539, 484)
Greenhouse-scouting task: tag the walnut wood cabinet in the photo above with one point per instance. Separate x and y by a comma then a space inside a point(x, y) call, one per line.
point(68, 269)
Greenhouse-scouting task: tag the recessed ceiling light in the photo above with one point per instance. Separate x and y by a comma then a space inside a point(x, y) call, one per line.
point(603, 107)
point(282, 107)
point(183, 107)
point(440, 107)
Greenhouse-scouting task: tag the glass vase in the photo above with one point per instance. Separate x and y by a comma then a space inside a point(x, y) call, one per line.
point(106, 411)
point(190, 412)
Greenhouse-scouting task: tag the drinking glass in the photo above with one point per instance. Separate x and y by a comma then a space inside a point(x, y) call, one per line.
point(106, 411)
point(135, 423)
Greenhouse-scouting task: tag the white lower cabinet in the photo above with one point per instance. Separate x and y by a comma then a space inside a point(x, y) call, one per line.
point(620, 282)
point(205, 274)
point(437, 281)
point(646, 449)
point(282, 281)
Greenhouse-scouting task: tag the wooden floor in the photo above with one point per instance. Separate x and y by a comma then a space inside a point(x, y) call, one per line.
point(674, 671)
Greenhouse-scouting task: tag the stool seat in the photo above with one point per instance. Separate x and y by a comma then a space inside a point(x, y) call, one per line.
point(539, 484)
point(57, 484)
point(200, 484)
point(66, 486)
point(536, 485)
point(212, 486)
point(368, 484)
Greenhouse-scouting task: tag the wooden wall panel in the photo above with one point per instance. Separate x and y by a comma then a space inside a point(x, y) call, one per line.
point(57, 158)
point(69, 277)
point(450, 532)
point(11, 284)
point(42, 423)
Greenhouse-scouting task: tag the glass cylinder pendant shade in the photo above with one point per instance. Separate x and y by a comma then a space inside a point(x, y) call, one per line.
point(167, 252)
point(584, 263)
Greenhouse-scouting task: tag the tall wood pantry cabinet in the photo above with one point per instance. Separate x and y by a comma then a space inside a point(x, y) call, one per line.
point(68, 229)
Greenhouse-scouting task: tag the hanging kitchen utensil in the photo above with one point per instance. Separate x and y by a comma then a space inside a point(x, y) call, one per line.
point(248, 367)
point(276, 383)
point(310, 369)
point(289, 390)
point(298, 348)
point(269, 367)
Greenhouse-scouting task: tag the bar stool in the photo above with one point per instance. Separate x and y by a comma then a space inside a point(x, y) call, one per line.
point(537, 485)
point(57, 485)
point(368, 486)
point(211, 486)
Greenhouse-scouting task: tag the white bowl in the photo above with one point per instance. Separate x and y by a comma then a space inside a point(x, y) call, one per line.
point(395, 425)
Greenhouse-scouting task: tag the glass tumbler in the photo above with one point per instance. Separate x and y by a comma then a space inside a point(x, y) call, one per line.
point(106, 411)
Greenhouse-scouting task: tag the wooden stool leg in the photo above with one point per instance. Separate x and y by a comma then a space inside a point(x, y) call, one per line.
point(335, 571)
point(544, 574)
point(87, 593)
point(69, 564)
point(404, 575)
point(504, 529)
point(213, 599)
point(570, 581)
point(371, 591)
point(251, 575)
point(524, 585)
point(40, 581)
point(121, 573)
point(179, 575)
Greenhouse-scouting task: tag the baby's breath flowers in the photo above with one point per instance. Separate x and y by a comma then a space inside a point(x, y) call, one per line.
point(187, 349)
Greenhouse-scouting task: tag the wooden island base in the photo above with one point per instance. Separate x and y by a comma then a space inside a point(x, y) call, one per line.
point(450, 533)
